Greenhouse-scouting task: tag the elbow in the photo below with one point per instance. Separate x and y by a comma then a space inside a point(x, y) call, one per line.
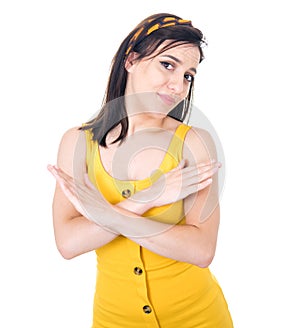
point(206, 259)
point(66, 255)
point(66, 251)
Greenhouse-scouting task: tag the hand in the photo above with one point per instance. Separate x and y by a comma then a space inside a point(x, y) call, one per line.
point(86, 199)
point(178, 183)
point(90, 203)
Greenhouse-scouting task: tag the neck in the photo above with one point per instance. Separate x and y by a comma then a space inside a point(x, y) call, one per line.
point(144, 111)
point(142, 121)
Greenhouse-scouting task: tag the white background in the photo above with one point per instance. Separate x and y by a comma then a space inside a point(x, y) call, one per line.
point(55, 57)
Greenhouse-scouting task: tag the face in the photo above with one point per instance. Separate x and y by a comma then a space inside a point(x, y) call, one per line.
point(164, 78)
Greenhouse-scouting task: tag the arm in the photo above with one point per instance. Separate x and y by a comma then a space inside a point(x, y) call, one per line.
point(172, 186)
point(195, 241)
point(165, 242)
point(74, 234)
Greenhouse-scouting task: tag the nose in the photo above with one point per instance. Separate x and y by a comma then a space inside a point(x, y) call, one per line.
point(176, 84)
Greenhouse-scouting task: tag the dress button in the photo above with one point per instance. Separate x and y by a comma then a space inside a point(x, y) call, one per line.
point(138, 271)
point(147, 309)
point(126, 193)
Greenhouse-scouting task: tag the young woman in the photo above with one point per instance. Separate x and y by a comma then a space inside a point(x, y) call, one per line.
point(139, 186)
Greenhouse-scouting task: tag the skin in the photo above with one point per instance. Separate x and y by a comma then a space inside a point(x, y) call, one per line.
point(166, 77)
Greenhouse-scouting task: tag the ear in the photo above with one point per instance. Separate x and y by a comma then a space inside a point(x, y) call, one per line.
point(130, 61)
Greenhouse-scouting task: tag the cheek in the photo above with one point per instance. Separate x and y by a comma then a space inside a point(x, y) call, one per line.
point(158, 77)
point(153, 78)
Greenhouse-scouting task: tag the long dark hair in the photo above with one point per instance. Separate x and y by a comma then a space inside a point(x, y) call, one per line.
point(113, 111)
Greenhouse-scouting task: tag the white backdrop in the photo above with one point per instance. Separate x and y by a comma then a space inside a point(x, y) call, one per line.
point(55, 57)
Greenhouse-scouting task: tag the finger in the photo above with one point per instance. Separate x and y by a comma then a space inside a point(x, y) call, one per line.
point(76, 194)
point(65, 183)
point(88, 182)
point(197, 170)
point(76, 187)
point(63, 174)
point(54, 172)
point(194, 179)
point(58, 173)
point(200, 186)
point(209, 173)
point(203, 167)
point(67, 189)
point(79, 201)
point(207, 169)
point(79, 186)
point(51, 169)
point(207, 163)
point(180, 166)
point(88, 192)
point(204, 184)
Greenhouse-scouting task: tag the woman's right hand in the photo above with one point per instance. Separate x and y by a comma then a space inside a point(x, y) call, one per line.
point(177, 184)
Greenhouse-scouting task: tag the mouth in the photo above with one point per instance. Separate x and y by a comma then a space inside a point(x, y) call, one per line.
point(167, 99)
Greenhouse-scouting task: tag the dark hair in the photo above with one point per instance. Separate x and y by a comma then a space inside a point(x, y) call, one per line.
point(113, 111)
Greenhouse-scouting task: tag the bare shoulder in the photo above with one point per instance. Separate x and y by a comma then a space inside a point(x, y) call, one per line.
point(71, 144)
point(199, 145)
point(69, 139)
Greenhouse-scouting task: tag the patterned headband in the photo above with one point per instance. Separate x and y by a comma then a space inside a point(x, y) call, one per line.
point(142, 32)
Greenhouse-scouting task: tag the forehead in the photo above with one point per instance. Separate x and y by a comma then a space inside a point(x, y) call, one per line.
point(185, 52)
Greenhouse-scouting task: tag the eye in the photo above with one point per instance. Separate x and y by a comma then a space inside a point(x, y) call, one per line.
point(189, 77)
point(166, 65)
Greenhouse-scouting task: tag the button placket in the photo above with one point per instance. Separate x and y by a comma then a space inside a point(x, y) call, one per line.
point(139, 274)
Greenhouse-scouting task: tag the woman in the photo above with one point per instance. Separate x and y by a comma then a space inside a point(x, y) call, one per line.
point(139, 186)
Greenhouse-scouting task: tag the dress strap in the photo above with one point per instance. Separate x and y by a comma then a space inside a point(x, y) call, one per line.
point(182, 131)
point(176, 146)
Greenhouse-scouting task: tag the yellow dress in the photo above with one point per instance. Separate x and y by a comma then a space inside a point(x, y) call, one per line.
point(136, 288)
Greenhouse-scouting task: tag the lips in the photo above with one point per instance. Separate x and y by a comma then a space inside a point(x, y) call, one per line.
point(167, 99)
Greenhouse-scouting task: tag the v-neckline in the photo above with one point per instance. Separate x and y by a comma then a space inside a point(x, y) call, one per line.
point(147, 179)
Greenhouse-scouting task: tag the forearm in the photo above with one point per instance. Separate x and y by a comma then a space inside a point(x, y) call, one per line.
point(186, 243)
point(134, 206)
point(78, 235)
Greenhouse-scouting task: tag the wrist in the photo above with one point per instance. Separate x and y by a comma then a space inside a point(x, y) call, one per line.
point(134, 206)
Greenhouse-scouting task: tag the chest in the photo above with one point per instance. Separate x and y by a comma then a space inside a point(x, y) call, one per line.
point(137, 158)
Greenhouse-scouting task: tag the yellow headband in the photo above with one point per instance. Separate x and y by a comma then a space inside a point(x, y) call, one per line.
point(165, 22)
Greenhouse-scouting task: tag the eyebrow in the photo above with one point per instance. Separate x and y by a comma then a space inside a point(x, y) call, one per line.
point(180, 62)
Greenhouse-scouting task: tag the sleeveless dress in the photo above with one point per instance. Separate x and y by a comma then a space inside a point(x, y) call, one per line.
point(136, 288)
